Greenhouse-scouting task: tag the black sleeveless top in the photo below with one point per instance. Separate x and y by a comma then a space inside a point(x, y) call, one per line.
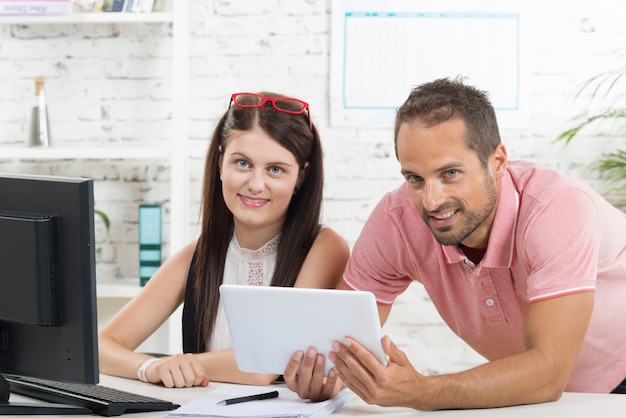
point(189, 312)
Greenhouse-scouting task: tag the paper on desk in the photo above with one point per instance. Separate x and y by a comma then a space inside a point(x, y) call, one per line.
point(287, 405)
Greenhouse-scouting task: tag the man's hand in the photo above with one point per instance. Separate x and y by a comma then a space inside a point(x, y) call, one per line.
point(358, 369)
point(310, 382)
point(391, 385)
point(181, 370)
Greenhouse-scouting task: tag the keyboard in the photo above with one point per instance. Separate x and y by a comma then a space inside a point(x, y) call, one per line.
point(101, 400)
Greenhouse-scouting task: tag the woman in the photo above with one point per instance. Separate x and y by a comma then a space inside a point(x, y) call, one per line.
point(262, 199)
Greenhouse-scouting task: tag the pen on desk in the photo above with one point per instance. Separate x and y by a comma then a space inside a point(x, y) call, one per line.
point(259, 397)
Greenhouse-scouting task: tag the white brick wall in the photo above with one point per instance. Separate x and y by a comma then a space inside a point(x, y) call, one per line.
point(112, 84)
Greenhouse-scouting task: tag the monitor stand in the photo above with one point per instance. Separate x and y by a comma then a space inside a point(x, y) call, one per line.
point(14, 408)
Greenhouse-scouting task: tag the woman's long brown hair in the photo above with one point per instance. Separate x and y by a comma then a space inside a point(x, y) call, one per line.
point(302, 223)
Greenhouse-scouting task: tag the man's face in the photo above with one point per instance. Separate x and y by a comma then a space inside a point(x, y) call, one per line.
point(455, 195)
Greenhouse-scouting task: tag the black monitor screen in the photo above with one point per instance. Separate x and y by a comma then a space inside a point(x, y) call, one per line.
point(48, 325)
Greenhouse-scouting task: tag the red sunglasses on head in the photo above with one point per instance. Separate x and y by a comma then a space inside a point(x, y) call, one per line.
point(282, 104)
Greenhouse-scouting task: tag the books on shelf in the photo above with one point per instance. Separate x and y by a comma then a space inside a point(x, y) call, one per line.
point(117, 5)
point(32, 7)
point(129, 6)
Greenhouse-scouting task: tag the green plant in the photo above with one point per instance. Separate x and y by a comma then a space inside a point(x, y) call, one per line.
point(608, 91)
point(104, 217)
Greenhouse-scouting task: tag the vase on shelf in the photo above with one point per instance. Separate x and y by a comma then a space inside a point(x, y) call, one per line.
point(39, 124)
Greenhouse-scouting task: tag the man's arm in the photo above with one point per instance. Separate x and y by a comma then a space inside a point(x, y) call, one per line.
point(553, 333)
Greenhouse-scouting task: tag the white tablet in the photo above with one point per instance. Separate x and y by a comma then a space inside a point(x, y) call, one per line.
point(268, 324)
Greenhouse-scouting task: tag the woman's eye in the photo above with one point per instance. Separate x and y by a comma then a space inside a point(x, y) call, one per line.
point(276, 170)
point(243, 164)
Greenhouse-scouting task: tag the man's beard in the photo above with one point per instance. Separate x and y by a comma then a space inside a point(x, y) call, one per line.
point(471, 219)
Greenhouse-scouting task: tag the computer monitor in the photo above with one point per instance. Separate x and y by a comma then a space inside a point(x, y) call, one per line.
point(48, 323)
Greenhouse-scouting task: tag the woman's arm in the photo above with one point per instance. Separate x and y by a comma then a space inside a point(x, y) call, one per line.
point(324, 265)
point(142, 316)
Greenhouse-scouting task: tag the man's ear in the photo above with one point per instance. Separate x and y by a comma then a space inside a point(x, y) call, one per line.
point(498, 161)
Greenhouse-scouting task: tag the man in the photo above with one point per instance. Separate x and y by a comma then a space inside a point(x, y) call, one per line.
point(524, 264)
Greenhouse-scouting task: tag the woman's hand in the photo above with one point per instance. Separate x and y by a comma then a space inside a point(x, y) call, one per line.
point(178, 371)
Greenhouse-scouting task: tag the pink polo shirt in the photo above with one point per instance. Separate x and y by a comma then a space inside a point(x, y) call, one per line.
point(552, 236)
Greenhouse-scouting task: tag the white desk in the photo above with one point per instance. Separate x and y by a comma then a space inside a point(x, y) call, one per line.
point(571, 405)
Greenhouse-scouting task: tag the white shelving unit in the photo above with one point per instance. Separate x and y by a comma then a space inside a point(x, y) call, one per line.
point(112, 295)
point(78, 153)
point(71, 18)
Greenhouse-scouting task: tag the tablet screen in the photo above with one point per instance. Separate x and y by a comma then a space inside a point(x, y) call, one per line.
point(268, 324)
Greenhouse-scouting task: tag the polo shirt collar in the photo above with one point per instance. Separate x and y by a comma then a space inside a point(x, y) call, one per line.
point(502, 236)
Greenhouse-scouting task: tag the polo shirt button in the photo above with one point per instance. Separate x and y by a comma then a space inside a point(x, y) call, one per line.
point(489, 302)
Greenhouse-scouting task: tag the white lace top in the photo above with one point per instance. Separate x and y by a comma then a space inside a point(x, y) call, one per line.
point(243, 267)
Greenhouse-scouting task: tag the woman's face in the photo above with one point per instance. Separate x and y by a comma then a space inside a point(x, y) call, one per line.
point(258, 180)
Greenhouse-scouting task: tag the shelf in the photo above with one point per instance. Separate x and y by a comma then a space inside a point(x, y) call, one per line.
point(121, 289)
point(94, 153)
point(71, 18)
point(173, 151)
